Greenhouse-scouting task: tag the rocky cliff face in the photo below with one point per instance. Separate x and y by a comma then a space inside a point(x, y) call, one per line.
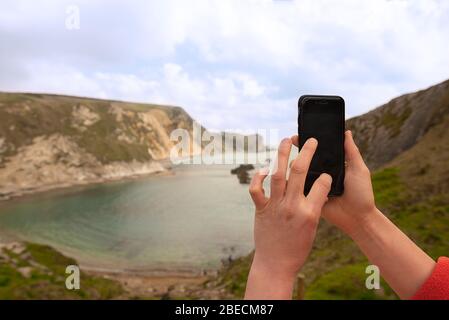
point(389, 130)
point(411, 133)
point(50, 141)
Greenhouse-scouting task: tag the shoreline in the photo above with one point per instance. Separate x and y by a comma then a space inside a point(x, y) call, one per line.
point(166, 283)
point(150, 271)
point(165, 168)
point(151, 282)
point(67, 186)
point(137, 283)
point(168, 286)
point(141, 282)
point(145, 284)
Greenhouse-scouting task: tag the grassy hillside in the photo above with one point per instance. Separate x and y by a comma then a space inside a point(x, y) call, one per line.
point(411, 185)
point(31, 271)
point(109, 130)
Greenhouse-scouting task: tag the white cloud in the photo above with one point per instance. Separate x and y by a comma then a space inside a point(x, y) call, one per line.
point(229, 101)
point(230, 63)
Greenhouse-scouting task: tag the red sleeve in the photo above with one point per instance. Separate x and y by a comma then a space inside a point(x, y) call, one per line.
point(436, 286)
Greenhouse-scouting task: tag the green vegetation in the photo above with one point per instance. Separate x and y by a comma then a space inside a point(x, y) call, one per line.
point(388, 189)
point(427, 223)
point(234, 276)
point(45, 277)
point(345, 283)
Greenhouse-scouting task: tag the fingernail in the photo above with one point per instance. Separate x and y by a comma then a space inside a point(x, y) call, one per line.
point(328, 177)
point(312, 141)
point(264, 171)
point(286, 141)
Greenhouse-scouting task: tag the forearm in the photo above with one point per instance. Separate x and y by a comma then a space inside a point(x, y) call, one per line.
point(403, 265)
point(264, 283)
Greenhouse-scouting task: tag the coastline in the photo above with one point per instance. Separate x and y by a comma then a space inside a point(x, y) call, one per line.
point(136, 284)
point(167, 286)
point(160, 283)
point(147, 283)
point(161, 168)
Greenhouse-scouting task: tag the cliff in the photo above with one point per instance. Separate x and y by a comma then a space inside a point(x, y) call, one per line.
point(387, 131)
point(51, 141)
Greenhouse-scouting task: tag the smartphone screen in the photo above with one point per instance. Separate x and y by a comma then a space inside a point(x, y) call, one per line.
point(323, 118)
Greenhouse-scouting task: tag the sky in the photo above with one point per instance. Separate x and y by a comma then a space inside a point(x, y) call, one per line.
point(232, 65)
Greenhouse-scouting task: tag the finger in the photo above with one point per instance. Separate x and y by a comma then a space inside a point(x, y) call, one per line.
point(256, 188)
point(299, 168)
point(352, 153)
point(278, 176)
point(295, 140)
point(319, 191)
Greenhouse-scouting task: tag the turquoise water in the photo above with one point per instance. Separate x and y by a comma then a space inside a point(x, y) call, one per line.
point(189, 220)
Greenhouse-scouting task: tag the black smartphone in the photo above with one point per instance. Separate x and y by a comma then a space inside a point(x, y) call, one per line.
point(323, 118)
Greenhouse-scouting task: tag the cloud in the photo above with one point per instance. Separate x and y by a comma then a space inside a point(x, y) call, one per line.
point(231, 100)
point(231, 64)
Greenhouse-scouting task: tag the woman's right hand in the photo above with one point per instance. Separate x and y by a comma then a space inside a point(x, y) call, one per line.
point(356, 205)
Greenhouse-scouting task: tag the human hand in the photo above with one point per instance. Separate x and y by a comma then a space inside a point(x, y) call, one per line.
point(350, 210)
point(285, 223)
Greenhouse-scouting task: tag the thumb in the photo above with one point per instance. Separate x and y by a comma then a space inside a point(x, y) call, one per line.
point(319, 191)
point(352, 153)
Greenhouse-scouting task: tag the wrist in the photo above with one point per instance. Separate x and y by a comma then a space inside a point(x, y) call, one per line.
point(273, 268)
point(365, 225)
point(268, 281)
